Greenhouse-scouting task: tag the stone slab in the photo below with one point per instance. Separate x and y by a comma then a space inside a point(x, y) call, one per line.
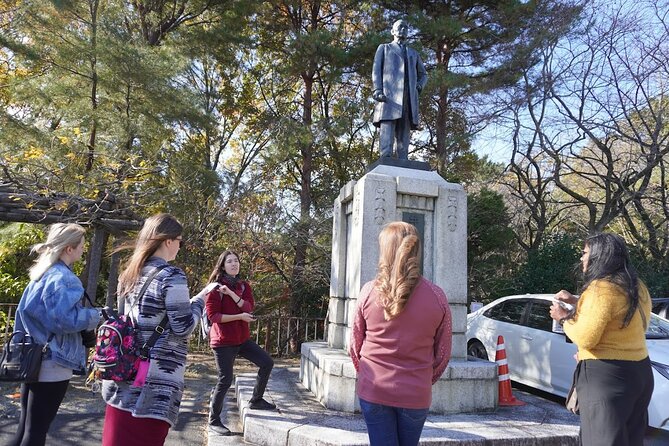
point(465, 386)
point(300, 420)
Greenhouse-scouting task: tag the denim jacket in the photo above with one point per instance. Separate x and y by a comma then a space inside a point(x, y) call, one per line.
point(52, 306)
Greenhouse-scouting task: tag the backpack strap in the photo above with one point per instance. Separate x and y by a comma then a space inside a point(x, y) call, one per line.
point(149, 279)
point(160, 328)
point(148, 345)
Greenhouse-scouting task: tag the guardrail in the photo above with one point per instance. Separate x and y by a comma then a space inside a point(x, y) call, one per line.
point(279, 335)
point(7, 312)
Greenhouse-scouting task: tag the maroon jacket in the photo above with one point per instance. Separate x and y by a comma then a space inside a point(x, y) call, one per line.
point(398, 360)
point(218, 304)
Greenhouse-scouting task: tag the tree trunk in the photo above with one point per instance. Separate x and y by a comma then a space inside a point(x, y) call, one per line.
point(93, 5)
point(94, 260)
point(112, 282)
point(303, 227)
point(441, 126)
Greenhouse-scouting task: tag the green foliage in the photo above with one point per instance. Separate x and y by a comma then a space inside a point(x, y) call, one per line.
point(11, 288)
point(16, 239)
point(552, 267)
point(654, 273)
point(489, 245)
point(245, 118)
point(4, 320)
point(473, 48)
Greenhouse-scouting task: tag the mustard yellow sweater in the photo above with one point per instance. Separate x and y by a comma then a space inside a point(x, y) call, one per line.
point(599, 315)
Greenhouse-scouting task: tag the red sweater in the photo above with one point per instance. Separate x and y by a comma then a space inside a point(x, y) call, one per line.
point(398, 360)
point(218, 304)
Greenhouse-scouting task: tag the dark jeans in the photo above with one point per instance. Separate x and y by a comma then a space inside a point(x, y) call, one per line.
point(225, 359)
point(39, 405)
point(392, 426)
point(613, 399)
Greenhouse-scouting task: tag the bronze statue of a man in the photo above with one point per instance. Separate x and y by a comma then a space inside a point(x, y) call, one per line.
point(398, 77)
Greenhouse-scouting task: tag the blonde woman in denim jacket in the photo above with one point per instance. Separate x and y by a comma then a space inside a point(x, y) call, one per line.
point(51, 312)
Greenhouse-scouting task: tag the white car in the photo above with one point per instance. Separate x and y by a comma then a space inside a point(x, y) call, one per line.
point(543, 359)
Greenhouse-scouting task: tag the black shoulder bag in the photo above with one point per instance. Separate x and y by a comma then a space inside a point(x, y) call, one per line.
point(22, 358)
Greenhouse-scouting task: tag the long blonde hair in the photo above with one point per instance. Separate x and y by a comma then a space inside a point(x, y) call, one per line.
point(156, 229)
point(60, 236)
point(399, 267)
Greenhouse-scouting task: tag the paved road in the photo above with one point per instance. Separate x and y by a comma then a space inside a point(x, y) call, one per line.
point(79, 422)
point(654, 437)
point(80, 417)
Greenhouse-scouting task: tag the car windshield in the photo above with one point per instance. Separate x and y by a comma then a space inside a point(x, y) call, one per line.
point(658, 328)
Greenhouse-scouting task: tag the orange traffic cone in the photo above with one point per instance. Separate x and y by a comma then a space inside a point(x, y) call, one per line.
point(506, 397)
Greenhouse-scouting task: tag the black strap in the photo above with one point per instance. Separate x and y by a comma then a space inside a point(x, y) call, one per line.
point(160, 328)
point(88, 298)
point(148, 345)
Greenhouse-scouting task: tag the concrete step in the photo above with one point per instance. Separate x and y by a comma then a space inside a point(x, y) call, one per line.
point(230, 418)
point(300, 420)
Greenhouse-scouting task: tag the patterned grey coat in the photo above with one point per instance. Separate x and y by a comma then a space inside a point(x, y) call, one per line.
point(160, 396)
point(388, 77)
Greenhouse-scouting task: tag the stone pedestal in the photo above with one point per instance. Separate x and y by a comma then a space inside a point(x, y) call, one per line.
point(439, 210)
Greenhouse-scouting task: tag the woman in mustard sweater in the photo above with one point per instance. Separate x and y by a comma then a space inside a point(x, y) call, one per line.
point(614, 379)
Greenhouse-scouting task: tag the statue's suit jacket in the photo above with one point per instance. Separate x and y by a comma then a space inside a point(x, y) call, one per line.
point(388, 77)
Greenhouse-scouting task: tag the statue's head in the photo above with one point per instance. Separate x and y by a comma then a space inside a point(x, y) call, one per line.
point(400, 29)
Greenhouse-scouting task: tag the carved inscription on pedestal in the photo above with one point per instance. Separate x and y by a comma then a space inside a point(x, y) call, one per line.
point(452, 211)
point(380, 206)
point(356, 209)
point(338, 216)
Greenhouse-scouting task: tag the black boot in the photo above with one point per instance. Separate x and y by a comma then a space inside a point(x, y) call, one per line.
point(218, 428)
point(261, 404)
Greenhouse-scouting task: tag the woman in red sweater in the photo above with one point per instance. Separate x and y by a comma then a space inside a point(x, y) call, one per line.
point(230, 309)
point(401, 341)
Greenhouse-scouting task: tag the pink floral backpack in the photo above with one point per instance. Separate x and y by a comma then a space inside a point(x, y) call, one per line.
point(118, 350)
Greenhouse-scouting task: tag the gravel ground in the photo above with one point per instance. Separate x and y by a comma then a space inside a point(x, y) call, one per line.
point(79, 419)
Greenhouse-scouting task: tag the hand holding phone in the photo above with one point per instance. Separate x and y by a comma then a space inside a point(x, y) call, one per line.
point(248, 317)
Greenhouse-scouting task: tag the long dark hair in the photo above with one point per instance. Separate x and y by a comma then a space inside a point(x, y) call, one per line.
point(218, 274)
point(609, 260)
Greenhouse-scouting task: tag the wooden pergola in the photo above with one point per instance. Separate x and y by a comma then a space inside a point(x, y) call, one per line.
point(105, 216)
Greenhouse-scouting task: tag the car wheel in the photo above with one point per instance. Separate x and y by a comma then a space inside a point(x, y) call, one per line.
point(477, 350)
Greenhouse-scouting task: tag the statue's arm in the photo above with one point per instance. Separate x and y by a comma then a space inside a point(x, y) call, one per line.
point(377, 75)
point(421, 74)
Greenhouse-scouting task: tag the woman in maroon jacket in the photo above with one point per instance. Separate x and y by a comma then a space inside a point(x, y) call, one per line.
point(401, 341)
point(229, 308)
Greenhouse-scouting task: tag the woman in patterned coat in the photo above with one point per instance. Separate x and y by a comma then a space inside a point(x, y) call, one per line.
point(142, 415)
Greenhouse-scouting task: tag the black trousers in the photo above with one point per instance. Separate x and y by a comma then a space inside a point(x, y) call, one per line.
point(613, 399)
point(395, 134)
point(225, 359)
point(39, 404)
